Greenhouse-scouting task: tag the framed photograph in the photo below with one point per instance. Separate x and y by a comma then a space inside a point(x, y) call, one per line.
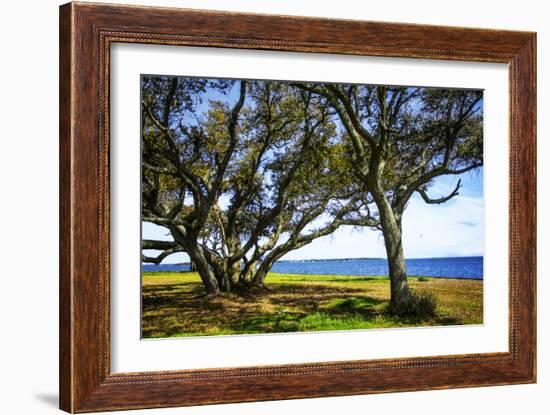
point(258, 207)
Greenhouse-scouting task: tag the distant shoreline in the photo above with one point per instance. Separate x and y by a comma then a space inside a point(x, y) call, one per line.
point(451, 267)
point(373, 259)
point(349, 259)
point(342, 277)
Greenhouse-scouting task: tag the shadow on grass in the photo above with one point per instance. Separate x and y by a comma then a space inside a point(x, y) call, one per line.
point(343, 279)
point(336, 314)
point(364, 306)
point(269, 323)
point(180, 309)
point(169, 295)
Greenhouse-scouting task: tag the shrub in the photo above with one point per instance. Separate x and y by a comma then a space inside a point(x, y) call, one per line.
point(418, 306)
point(423, 279)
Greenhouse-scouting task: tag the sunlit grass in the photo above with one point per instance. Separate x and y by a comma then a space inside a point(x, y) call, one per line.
point(173, 305)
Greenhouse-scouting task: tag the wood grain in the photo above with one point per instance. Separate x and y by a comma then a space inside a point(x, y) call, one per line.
point(86, 33)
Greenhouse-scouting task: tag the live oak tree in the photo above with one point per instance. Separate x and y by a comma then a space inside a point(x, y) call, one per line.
point(240, 173)
point(401, 140)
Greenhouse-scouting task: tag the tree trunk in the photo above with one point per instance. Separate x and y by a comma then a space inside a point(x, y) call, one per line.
point(265, 266)
point(235, 273)
point(247, 274)
point(198, 259)
point(393, 238)
point(261, 273)
point(203, 268)
point(400, 293)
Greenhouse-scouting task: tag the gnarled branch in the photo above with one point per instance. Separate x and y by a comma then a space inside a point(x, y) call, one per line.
point(159, 245)
point(444, 199)
point(158, 259)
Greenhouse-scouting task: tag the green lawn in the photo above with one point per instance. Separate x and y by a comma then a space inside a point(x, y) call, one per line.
point(173, 305)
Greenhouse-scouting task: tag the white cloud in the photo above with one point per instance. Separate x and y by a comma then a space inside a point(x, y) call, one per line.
point(454, 228)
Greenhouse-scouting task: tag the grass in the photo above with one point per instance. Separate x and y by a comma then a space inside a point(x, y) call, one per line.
point(173, 305)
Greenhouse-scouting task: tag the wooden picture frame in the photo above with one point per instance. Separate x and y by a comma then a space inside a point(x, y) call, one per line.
point(86, 33)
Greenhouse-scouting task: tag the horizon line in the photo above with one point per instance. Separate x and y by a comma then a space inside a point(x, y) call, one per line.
point(340, 259)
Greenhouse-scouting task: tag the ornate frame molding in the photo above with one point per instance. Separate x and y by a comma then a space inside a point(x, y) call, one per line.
point(86, 33)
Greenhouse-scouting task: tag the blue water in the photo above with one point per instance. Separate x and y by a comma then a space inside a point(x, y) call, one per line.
point(455, 267)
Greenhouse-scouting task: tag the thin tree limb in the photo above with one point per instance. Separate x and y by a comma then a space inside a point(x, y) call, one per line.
point(440, 200)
